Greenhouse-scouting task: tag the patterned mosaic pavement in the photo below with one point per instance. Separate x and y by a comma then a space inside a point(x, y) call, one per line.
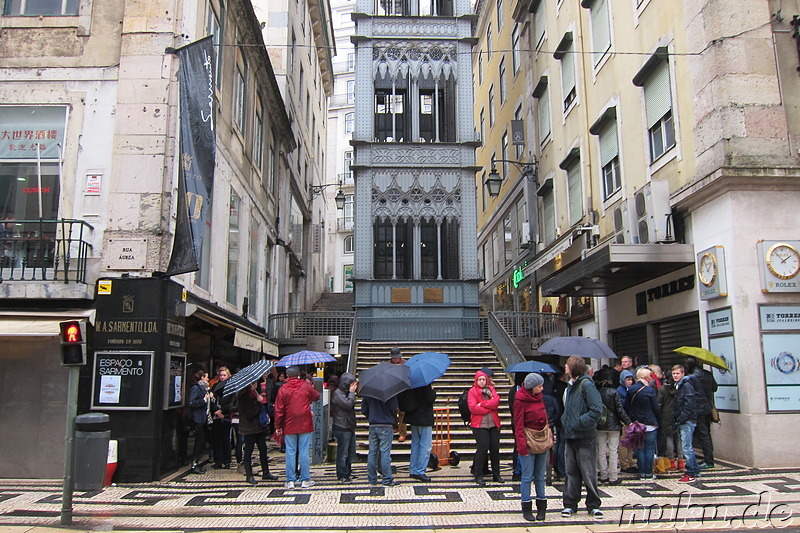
point(726, 498)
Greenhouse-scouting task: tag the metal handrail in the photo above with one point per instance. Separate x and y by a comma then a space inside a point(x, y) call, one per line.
point(45, 250)
point(352, 356)
point(507, 349)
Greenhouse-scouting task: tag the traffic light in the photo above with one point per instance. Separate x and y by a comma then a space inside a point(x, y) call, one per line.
point(73, 342)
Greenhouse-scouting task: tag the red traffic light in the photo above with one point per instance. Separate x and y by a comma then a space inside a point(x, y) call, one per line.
point(71, 332)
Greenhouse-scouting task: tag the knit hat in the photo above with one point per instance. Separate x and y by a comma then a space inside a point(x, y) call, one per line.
point(533, 380)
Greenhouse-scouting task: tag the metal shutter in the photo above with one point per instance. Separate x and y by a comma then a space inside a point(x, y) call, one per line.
point(632, 342)
point(671, 334)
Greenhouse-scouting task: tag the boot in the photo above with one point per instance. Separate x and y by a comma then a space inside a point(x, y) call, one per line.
point(541, 509)
point(479, 481)
point(527, 511)
point(196, 469)
point(265, 475)
point(248, 468)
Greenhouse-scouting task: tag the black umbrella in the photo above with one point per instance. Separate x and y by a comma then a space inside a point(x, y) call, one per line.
point(246, 376)
point(583, 346)
point(384, 381)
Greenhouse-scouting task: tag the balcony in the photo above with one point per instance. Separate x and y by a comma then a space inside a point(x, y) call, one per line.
point(345, 178)
point(45, 250)
point(344, 224)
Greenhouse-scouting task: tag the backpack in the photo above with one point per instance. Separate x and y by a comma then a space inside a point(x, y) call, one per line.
point(463, 407)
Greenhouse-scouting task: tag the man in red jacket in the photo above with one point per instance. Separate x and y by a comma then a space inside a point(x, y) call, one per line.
point(294, 422)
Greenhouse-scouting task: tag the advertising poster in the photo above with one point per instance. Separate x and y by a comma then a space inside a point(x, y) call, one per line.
point(122, 380)
point(727, 396)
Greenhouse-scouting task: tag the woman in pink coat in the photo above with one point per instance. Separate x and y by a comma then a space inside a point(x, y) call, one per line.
point(484, 402)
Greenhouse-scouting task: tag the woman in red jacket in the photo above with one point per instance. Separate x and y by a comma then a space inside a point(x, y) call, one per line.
point(484, 402)
point(530, 412)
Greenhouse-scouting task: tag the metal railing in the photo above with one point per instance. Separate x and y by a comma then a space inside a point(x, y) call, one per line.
point(345, 224)
point(45, 250)
point(507, 349)
point(541, 325)
point(285, 326)
point(422, 328)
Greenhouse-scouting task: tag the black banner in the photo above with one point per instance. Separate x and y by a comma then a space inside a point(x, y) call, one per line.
point(197, 147)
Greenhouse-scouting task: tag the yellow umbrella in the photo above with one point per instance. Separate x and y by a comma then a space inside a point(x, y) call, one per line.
point(701, 354)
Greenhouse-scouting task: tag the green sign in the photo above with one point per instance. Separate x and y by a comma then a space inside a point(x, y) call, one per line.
point(518, 276)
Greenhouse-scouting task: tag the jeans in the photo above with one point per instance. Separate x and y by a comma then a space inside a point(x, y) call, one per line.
point(644, 455)
point(420, 449)
point(297, 444)
point(703, 434)
point(534, 467)
point(345, 452)
point(581, 468)
point(608, 454)
point(687, 432)
point(488, 440)
point(380, 442)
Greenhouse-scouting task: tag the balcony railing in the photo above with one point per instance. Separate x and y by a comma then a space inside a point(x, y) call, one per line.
point(536, 325)
point(45, 250)
point(345, 178)
point(344, 224)
point(284, 326)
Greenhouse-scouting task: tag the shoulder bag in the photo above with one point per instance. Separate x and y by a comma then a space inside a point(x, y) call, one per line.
point(539, 441)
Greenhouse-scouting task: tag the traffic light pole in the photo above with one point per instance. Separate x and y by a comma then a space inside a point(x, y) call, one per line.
point(72, 411)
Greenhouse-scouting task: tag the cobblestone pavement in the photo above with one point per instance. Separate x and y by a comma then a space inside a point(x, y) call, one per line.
point(725, 498)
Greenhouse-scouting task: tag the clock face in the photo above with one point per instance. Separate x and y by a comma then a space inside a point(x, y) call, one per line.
point(786, 363)
point(783, 261)
point(707, 271)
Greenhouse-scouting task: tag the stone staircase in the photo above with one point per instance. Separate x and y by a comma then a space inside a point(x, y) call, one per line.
point(335, 301)
point(466, 358)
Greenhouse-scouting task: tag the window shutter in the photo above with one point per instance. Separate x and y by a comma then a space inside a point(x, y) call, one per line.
point(657, 99)
point(568, 72)
point(544, 115)
point(574, 191)
point(539, 23)
point(601, 38)
point(609, 147)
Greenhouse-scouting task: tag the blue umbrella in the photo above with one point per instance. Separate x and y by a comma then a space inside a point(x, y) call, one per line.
point(306, 357)
point(531, 366)
point(426, 367)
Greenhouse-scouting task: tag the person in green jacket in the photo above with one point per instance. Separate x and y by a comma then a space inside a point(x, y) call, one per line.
point(583, 408)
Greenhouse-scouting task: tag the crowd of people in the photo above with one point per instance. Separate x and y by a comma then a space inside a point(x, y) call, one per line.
point(590, 426)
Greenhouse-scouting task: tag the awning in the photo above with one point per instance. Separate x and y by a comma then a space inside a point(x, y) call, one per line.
point(558, 247)
point(254, 343)
point(39, 324)
point(615, 267)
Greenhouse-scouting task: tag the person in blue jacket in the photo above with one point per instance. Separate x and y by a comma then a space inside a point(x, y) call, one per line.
point(642, 407)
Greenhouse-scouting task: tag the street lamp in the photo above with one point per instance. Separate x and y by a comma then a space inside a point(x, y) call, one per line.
point(494, 181)
point(340, 198)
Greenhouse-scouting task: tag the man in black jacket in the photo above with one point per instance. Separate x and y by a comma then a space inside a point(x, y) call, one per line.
point(706, 387)
point(608, 432)
point(686, 404)
point(417, 404)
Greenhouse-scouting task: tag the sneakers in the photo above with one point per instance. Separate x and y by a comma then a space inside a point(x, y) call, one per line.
point(307, 484)
point(597, 514)
point(289, 485)
point(687, 478)
point(566, 512)
point(392, 483)
point(615, 481)
point(705, 466)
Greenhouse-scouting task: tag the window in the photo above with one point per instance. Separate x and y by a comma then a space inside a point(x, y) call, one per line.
point(539, 24)
point(348, 161)
point(519, 149)
point(214, 28)
point(658, 110)
point(273, 167)
point(491, 106)
point(497, 245)
point(233, 248)
point(499, 14)
point(575, 192)
point(522, 220)
point(258, 136)
point(601, 32)
point(347, 218)
point(568, 88)
point(516, 59)
point(549, 216)
point(351, 91)
point(41, 7)
point(349, 122)
point(480, 67)
point(351, 61)
point(483, 126)
point(502, 73)
point(308, 109)
point(504, 153)
point(348, 244)
point(489, 42)
point(609, 158)
point(508, 250)
point(240, 92)
point(253, 282)
point(542, 94)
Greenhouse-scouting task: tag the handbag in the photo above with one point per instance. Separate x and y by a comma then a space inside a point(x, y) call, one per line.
point(539, 440)
point(263, 416)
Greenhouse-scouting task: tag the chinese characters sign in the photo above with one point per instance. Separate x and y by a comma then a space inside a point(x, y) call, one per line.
point(26, 131)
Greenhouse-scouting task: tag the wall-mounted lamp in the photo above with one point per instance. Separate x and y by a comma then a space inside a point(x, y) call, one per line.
point(339, 198)
point(495, 180)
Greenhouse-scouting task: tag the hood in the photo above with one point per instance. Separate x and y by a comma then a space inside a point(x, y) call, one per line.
point(625, 374)
point(526, 396)
point(293, 383)
point(478, 374)
point(345, 380)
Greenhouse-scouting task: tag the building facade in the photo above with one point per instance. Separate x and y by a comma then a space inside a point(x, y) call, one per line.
point(650, 234)
point(90, 161)
point(414, 143)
